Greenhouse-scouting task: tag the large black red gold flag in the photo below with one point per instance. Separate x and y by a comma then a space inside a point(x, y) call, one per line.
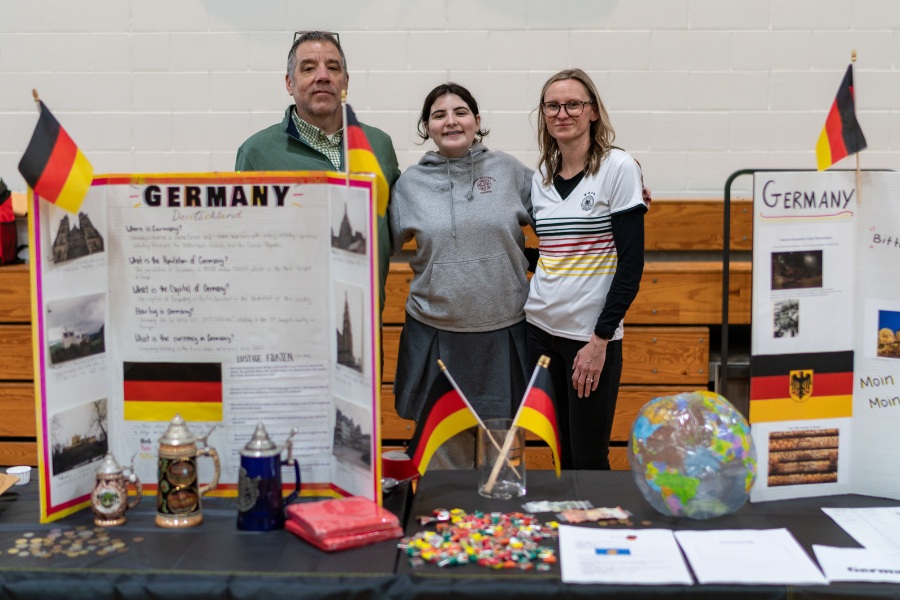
point(446, 415)
point(53, 166)
point(537, 413)
point(841, 136)
point(361, 159)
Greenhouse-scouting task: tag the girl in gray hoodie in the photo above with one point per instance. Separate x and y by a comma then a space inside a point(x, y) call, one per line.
point(465, 206)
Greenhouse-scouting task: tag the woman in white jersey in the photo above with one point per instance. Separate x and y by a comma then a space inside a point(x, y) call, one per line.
point(589, 216)
point(465, 205)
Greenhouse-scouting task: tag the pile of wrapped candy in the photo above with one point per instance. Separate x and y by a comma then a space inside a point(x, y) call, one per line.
point(494, 540)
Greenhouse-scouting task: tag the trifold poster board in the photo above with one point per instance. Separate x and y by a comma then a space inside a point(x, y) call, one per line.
point(230, 299)
point(825, 364)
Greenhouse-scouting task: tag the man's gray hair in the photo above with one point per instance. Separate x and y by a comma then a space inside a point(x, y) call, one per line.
point(314, 36)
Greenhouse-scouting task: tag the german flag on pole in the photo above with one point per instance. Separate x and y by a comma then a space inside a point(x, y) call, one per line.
point(537, 413)
point(841, 136)
point(363, 160)
point(447, 414)
point(53, 166)
point(157, 391)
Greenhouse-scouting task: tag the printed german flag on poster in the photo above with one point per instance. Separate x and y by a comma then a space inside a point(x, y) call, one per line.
point(53, 166)
point(799, 387)
point(157, 391)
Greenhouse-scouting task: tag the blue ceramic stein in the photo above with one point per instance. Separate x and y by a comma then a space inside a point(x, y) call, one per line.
point(260, 502)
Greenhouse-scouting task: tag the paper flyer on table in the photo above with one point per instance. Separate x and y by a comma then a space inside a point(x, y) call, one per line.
point(748, 556)
point(873, 528)
point(229, 299)
point(825, 345)
point(858, 564)
point(645, 556)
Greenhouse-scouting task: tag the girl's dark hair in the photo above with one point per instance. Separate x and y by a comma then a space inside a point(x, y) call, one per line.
point(443, 90)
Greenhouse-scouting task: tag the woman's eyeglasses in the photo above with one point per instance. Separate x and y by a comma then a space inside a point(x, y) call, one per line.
point(573, 108)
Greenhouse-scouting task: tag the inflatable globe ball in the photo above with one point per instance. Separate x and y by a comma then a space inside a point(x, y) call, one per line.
point(692, 456)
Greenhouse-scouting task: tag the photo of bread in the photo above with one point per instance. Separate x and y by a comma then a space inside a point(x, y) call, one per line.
point(803, 457)
point(888, 334)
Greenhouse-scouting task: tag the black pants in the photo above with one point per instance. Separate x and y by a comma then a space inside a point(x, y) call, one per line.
point(585, 424)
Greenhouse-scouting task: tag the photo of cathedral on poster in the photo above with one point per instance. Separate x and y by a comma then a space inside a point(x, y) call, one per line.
point(76, 240)
point(349, 237)
point(349, 351)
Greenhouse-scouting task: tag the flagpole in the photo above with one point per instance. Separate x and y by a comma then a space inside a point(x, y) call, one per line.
point(543, 362)
point(37, 100)
point(470, 407)
point(344, 138)
point(858, 176)
point(461, 395)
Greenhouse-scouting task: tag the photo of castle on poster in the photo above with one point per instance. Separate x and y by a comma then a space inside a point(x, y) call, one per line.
point(76, 236)
point(78, 436)
point(76, 327)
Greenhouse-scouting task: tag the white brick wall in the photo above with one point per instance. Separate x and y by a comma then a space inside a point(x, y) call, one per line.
point(696, 88)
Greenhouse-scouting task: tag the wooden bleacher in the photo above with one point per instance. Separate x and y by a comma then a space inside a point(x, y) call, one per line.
point(666, 347)
point(17, 424)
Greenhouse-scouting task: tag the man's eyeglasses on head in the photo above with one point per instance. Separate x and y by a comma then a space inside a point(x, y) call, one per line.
point(573, 108)
point(334, 34)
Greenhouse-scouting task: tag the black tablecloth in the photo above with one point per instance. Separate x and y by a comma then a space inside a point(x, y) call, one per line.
point(457, 489)
point(216, 560)
point(211, 560)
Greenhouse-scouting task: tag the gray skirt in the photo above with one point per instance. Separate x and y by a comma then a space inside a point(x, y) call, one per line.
point(490, 367)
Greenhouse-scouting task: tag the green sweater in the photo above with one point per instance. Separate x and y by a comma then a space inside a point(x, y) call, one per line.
point(280, 148)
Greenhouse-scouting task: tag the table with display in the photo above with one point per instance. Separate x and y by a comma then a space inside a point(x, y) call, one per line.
point(215, 560)
point(212, 560)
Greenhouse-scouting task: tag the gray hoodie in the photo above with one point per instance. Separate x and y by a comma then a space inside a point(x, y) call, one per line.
point(466, 214)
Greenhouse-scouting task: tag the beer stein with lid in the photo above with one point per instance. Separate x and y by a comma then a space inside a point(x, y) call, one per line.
point(260, 501)
point(178, 491)
point(109, 500)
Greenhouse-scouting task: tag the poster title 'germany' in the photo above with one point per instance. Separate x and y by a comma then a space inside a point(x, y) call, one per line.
point(800, 200)
point(215, 196)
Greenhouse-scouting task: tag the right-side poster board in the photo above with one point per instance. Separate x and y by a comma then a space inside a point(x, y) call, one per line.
point(825, 349)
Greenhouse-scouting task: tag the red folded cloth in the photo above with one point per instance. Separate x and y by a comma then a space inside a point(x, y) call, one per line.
point(342, 523)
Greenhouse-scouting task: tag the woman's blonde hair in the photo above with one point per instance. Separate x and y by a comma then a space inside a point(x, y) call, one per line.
point(602, 133)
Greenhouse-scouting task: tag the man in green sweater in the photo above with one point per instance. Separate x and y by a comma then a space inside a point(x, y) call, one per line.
point(310, 137)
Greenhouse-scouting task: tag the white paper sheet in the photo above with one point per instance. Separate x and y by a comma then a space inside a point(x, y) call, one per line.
point(873, 528)
point(749, 556)
point(645, 556)
point(858, 564)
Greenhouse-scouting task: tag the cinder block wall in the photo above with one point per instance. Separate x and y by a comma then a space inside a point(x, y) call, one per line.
point(696, 88)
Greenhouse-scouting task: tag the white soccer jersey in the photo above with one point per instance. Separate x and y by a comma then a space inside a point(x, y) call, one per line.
point(578, 255)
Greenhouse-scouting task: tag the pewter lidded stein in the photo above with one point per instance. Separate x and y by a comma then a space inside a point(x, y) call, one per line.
point(178, 491)
point(109, 500)
point(260, 502)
